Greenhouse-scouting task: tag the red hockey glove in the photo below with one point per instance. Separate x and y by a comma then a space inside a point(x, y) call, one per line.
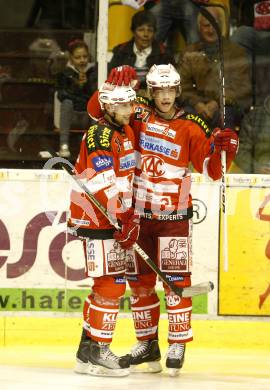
point(130, 229)
point(123, 75)
point(226, 140)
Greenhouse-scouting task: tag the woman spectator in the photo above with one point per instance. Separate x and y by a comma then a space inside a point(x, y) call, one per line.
point(142, 51)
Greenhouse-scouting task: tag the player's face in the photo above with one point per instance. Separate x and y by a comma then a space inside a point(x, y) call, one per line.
point(164, 98)
point(121, 112)
point(144, 36)
point(79, 58)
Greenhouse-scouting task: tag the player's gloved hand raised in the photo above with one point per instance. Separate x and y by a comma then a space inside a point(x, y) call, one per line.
point(226, 140)
point(123, 75)
point(130, 229)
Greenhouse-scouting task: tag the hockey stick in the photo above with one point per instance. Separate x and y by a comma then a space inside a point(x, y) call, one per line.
point(223, 198)
point(198, 289)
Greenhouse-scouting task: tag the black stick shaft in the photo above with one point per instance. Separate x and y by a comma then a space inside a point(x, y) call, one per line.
point(70, 169)
point(222, 100)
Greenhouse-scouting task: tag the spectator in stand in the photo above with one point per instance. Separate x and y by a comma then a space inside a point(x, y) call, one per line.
point(254, 147)
point(74, 86)
point(51, 14)
point(253, 33)
point(142, 51)
point(199, 68)
point(176, 14)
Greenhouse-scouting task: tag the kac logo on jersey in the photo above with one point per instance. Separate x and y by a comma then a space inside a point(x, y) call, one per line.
point(101, 163)
point(153, 166)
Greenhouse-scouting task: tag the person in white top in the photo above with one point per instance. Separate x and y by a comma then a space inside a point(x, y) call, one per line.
point(142, 51)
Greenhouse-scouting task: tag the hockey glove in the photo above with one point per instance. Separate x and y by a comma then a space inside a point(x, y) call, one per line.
point(226, 140)
point(130, 229)
point(123, 75)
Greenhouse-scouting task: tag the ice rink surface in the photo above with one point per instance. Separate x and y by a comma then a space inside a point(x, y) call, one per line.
point(204, 369)
point(225, 355)
point(41, 378)
point(15, 378)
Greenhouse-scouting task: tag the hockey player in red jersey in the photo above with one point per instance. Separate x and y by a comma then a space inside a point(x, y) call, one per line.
point(167, 140)
point(106, 166)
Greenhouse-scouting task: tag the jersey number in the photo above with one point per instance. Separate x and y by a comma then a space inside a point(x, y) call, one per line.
point(142, 114)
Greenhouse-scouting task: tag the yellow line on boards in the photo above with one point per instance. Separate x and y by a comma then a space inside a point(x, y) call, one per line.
point(66, 331)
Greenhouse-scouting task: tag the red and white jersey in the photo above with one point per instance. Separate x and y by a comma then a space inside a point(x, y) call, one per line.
point(164, 150)
point(105, 165)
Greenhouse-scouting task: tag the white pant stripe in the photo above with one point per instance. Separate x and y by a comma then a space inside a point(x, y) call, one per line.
point(103, 309)
point(145, 307)
point(180, 310)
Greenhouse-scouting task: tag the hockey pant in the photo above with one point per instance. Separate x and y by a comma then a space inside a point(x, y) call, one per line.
point(145, 303)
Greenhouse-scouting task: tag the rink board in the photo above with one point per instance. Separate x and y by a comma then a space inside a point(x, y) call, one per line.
point(42, 268)
point(249, 267)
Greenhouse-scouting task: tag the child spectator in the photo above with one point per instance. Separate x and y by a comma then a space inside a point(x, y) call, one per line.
point(74, 86)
